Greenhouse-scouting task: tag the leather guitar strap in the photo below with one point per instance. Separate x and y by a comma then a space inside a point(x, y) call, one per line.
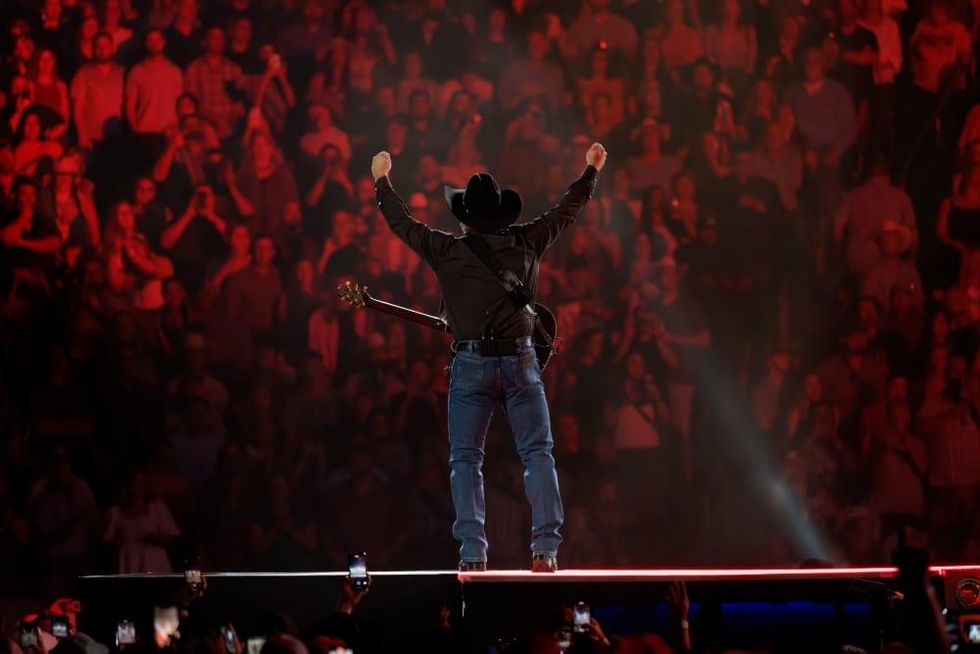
point(510, 282)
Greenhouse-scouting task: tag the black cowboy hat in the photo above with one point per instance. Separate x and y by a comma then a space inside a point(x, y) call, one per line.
point(482, 206)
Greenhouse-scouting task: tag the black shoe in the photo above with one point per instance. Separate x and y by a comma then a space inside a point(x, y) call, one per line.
point(472, 566)
point(544, 563)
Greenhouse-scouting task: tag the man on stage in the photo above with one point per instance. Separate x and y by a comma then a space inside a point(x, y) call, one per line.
point(489, 278)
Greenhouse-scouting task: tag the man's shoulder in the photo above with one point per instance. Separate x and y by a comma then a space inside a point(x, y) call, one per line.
point(142, 72)
point(241, 277)
point(84, 73)
point(876, 193)
point(148, 66)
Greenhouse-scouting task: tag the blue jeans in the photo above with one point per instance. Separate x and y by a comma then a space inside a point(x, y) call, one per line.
point(476, 383)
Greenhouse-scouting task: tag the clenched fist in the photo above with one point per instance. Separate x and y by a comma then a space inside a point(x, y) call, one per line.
point(380, 165)
point(596, 156)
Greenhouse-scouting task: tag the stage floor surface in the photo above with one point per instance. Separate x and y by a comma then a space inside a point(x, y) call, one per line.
point(844, 602)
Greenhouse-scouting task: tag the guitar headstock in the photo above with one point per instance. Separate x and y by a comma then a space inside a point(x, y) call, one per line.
point(353, 293)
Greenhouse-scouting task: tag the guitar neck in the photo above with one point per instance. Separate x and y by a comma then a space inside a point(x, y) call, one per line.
point(424, 319)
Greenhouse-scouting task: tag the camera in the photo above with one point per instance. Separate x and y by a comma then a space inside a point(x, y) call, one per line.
point(28, 635)
point(228, 636)
point(59, 626)
point(581, 618)
point(357, 571)
point(125, 634)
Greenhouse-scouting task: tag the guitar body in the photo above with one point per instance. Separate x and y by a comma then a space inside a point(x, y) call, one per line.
point(544, 337)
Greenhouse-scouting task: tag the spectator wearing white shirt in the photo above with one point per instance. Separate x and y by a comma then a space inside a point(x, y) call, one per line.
point(97, 94)
point(140, 526)
point(152, 89)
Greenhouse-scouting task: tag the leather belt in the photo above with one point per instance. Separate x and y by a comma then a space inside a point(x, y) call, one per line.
point(506, 347)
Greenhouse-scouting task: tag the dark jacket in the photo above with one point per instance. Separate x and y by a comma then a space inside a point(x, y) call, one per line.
point(476, 304)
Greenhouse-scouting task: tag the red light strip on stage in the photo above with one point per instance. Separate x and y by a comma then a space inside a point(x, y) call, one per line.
point(697, 574)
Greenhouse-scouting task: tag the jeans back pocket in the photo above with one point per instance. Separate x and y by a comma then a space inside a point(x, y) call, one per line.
point(467, 372)
point(526, 370)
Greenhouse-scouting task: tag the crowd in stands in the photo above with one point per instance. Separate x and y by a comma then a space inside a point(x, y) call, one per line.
point(769, 310)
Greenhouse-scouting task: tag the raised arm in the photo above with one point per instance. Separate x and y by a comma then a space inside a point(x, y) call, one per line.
point(545, 230)
point(428, 243)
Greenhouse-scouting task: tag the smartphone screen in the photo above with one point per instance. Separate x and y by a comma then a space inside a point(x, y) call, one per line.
point(973, 633)
point(228, 635)
point(582, 618)
point(255, 645)
point(125, 633)
point(357, 570)
point(59, 626)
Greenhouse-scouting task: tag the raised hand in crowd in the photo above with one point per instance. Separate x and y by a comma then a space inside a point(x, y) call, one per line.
point(679, 605)
point(350, 597)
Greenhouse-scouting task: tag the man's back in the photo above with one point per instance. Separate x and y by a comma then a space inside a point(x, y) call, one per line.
point(476, 304)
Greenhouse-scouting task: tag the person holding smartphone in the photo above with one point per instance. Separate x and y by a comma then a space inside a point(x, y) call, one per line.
point(30, 636)
point(196, 238)
point(275, 95)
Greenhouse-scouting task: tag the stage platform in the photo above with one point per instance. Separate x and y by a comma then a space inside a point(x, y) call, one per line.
point(746, 608)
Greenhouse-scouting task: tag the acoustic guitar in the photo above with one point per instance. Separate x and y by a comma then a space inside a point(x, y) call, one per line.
point(545, 337)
